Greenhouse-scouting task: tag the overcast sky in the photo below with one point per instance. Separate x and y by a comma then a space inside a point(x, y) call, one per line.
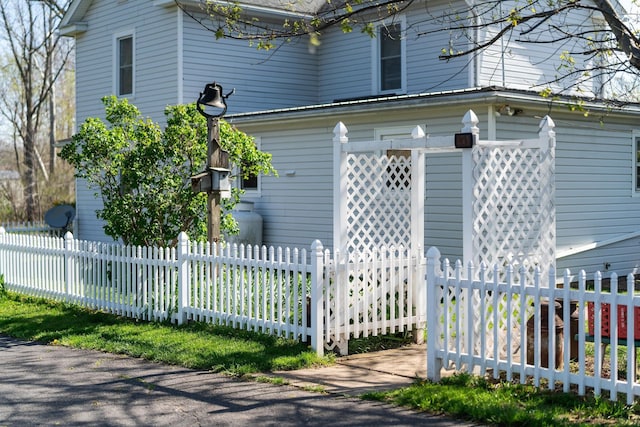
point(630, 5)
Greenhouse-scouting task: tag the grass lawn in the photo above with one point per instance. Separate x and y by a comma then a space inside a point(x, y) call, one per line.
point(193, 345)
point(507, 404)
point(243, 353)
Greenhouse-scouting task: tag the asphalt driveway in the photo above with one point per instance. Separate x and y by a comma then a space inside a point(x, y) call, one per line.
point(53, 385)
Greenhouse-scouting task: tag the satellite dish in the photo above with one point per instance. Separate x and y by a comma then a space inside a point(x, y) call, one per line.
point(60, 216)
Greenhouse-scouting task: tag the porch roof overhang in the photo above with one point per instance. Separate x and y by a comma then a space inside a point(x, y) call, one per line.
point(72, 22)
point(477, 95)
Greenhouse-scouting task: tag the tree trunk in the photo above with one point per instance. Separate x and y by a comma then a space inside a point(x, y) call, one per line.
point(627, 41)
point(30, 176)
point(52, 131)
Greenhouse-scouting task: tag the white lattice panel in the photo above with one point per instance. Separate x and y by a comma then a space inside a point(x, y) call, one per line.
point(513, 206)
point(378, 193)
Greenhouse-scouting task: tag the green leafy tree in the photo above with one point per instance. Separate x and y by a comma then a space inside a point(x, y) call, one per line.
point(143, 172)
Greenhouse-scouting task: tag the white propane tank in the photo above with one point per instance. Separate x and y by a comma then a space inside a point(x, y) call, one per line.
point(250, 224)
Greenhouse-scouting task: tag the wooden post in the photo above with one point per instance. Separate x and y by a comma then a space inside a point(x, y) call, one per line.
point(216, 157)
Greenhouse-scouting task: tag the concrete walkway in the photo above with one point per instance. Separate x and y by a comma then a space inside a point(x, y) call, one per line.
point(361, 373)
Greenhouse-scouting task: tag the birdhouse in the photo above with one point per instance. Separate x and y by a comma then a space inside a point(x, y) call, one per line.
point(212, 180)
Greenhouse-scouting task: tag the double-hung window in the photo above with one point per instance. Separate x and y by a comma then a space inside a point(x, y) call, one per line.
point(389, 58)
point(125, 65)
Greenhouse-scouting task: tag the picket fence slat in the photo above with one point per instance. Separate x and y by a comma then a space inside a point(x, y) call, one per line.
point(496, 321)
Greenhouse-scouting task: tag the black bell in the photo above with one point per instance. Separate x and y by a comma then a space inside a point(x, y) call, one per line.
point(212, 96)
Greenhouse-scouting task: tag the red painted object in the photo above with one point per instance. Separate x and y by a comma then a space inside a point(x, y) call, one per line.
point(606, 320)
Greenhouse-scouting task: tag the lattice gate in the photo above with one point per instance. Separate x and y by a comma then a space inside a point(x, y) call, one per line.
point(379, 194)
point(376, 285)
point(508, 216)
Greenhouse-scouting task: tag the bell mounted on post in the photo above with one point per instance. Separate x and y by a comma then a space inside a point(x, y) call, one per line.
point(212, 97)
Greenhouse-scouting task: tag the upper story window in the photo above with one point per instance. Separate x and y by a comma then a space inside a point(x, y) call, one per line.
point(124, 73)
point(389, 58)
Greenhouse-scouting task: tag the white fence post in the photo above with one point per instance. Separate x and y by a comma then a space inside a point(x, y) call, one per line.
point(183, 276)
point(340, 138)
point(69, 265)
point(317, 285)
point(417, 235)
point(470, 122)
point(434, 364)
point(4, 256)
point(417, 193)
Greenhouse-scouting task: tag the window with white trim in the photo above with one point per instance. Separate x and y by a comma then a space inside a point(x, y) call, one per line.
point(124, 73)
point(250, 184)
point(389, 58)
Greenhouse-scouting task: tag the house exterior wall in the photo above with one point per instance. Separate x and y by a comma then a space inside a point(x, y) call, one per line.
point(346, 61)
point(298, 204)
point(156, 57)
point(513, 62)
point(594, 198)
point(263, 80)
point(594, 177)
point(156, 83)
point(595, 195)
point(86, 225)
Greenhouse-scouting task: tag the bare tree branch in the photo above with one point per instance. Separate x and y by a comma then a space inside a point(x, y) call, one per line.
point(37, 57)
point(549, 22)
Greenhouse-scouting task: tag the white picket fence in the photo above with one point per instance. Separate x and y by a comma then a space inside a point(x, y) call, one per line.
point(483, 326)
point(276, 291)
point(473, 324)
point(39, 228)
point(259, 290)
point(373, 292)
